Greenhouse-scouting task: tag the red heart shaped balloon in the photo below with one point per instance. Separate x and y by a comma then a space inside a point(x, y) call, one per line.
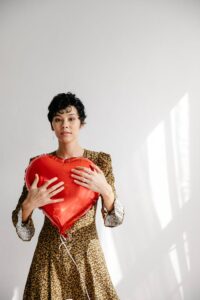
point(77, 199)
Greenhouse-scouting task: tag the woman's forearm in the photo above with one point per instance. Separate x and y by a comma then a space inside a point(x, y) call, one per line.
point(26, 211)
point(108, 198)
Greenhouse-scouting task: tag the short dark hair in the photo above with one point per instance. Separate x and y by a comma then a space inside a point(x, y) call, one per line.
point(62, 101)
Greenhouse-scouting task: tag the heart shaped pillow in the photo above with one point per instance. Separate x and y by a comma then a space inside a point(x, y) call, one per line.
point(77, 199)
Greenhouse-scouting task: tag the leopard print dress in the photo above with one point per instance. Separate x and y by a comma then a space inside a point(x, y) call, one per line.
point(74, 268)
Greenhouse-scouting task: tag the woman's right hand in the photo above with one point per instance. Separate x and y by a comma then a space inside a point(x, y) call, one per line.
point(40, 196)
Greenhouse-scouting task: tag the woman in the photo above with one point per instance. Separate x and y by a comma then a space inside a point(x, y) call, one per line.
point(76, 270)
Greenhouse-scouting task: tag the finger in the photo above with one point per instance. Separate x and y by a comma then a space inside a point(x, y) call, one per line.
point(81, 178)
point(48, 182)
point(81, 183)
point(55, 186)
point(95, 167)
point(79, 167)
point(87, 172)
point(56, 200)
point(79, 170)
point(56, 191)
point(35, 182)
point(85, 169)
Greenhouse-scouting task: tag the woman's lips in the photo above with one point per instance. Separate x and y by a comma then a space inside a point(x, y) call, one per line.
point(65, 133)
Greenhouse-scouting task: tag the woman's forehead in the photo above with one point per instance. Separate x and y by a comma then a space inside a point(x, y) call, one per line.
point(69, 110)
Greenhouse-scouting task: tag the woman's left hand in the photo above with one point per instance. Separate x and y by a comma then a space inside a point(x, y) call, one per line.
point(92, 179)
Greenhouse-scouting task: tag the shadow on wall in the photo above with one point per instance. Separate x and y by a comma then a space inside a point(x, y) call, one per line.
point(160, 264)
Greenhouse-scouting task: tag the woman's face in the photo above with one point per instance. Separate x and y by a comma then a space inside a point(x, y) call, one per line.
point(67, 124)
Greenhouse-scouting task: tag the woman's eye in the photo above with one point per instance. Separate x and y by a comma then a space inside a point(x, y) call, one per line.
point(58, 120)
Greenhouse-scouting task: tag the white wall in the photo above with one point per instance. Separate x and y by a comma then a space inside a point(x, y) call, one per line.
point(136, 67)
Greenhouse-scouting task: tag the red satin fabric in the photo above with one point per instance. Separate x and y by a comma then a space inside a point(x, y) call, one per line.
point(77, 199)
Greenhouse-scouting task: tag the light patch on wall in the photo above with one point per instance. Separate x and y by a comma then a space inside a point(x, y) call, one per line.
point(180, 138)
point(15, 294)
point(186, 249)
point(111, 257)
point(156, 151)
point(176, 266)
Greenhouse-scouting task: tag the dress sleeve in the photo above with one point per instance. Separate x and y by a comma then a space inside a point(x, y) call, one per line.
point(25, 230)
point(114, 217)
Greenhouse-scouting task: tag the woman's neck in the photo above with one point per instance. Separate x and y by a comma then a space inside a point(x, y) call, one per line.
point(66, 151)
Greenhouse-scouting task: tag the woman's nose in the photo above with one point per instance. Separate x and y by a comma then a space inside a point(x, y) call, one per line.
point(65, 123)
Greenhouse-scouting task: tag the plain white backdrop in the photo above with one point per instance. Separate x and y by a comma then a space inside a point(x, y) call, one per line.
point(136, 67)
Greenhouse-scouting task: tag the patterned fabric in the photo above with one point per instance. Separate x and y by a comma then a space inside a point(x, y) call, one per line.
point(115, 216)
point(74, 268)
point(24, 230)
